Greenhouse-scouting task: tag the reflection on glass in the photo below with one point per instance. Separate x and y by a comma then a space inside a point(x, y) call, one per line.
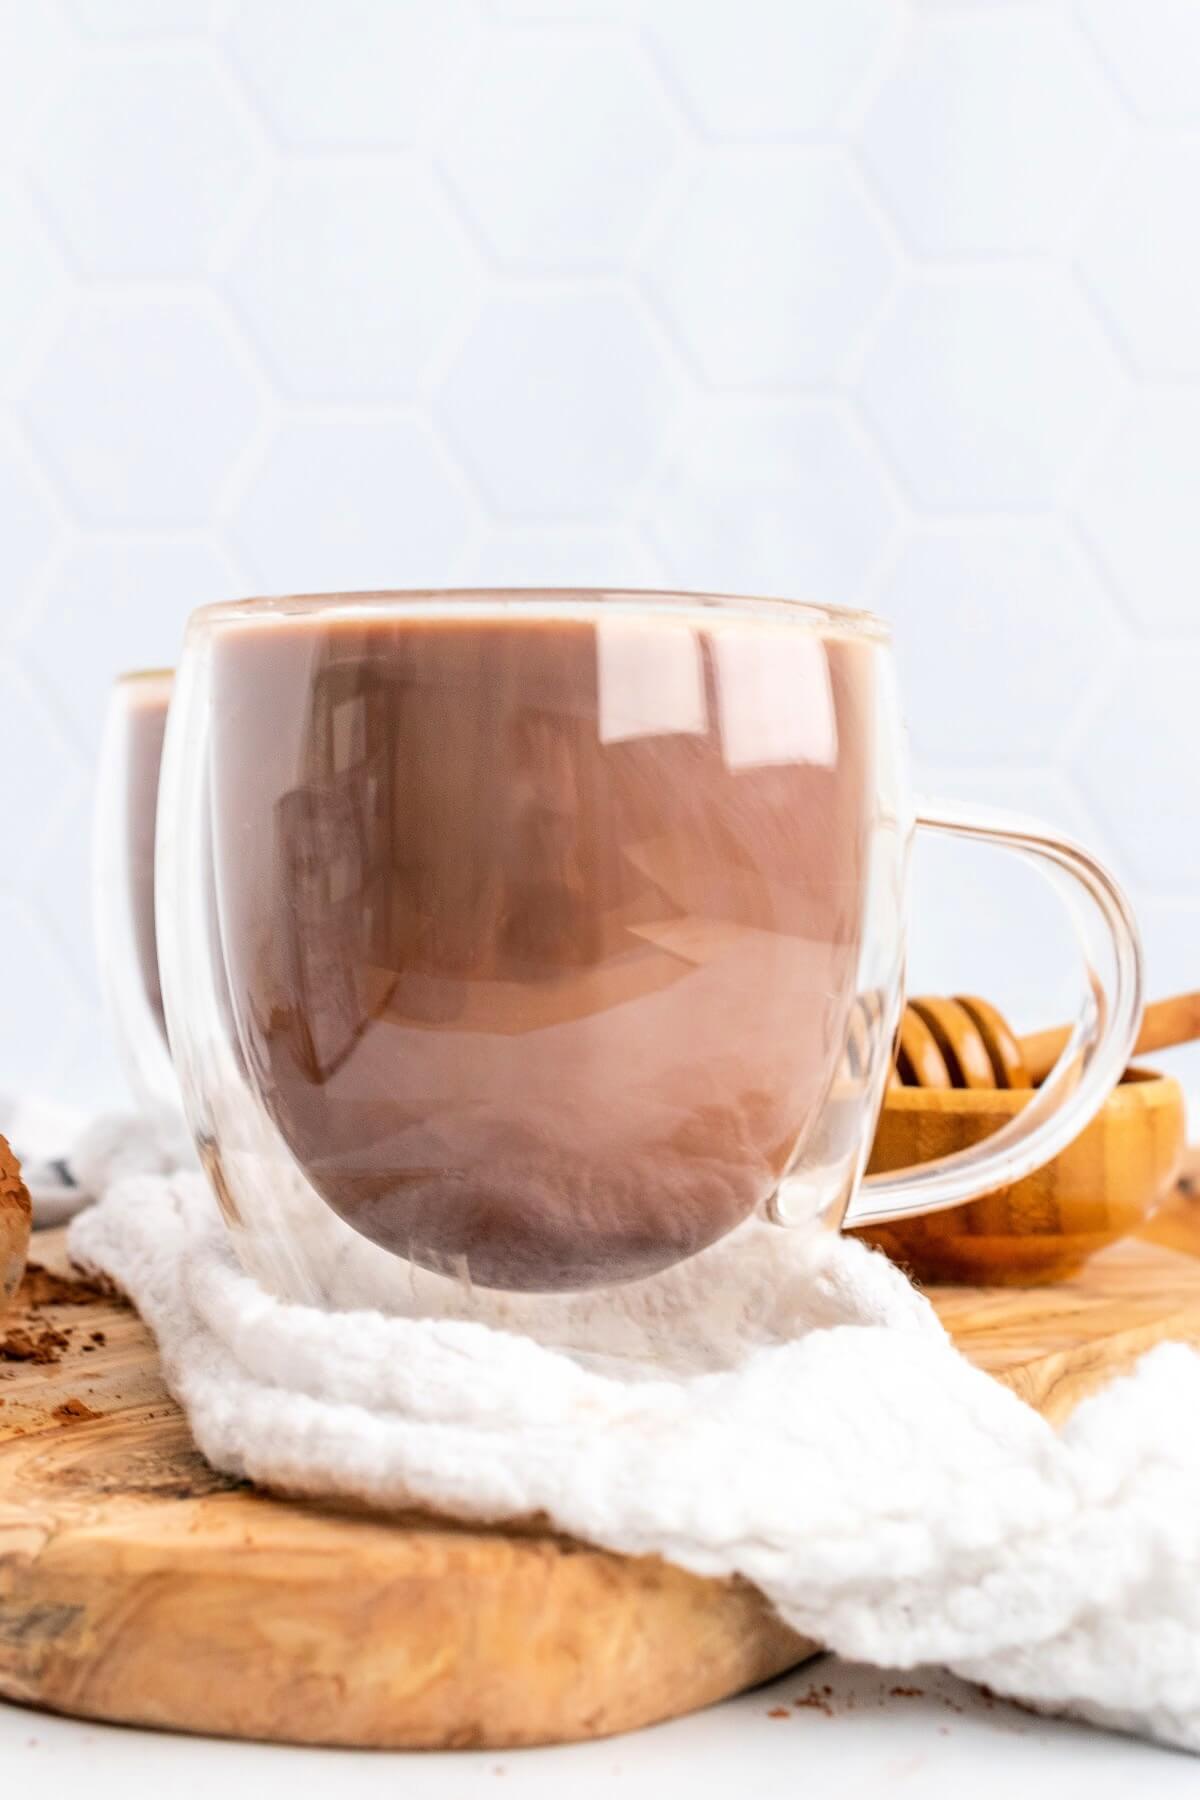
point(777, 709)
point(649, 682)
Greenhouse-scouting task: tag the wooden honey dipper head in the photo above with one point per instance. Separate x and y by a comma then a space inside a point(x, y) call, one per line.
point(965, 1042)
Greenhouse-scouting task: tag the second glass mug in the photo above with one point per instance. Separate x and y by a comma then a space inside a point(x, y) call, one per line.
point(123, 883)
point(533, 941)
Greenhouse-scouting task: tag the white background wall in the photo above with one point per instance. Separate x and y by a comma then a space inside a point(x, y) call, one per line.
point(894, 305)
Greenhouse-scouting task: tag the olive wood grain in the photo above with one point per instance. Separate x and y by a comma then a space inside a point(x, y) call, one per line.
point(137, 1584)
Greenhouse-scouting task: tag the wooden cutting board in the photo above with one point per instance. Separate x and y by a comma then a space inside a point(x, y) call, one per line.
point(136, 1584)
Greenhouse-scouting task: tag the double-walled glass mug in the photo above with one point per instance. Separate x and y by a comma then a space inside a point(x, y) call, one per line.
point(531, 942)
point(123, 882)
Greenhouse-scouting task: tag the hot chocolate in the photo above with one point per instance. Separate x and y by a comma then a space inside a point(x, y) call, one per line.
point(541, 929)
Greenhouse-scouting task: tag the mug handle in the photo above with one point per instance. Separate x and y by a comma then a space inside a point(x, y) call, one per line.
point(1095, 1055)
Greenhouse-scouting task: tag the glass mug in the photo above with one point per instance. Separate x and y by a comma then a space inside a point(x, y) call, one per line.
point(530, 942)
point(123, 882)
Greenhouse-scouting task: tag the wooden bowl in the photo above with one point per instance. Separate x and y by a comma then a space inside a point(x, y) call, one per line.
point(1101, 1187)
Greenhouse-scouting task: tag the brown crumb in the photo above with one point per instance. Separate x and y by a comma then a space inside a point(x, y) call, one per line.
point(99, 1337)
point(817, 1699)
point(21, 1346)
point(72, 1410)
point(824, 1700)
point(779, 1712)
point(42, 1287)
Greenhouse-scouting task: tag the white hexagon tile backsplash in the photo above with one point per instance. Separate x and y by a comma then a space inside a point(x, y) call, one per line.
point(894, 303)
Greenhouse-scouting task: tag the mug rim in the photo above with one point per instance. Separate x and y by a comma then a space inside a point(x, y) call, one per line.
point(538, 602)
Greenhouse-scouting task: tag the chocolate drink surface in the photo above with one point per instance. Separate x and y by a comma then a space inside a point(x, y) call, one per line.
point(146, 725)
point(541, 933)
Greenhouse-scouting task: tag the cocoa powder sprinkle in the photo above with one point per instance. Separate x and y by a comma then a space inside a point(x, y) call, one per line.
point(71, 1411)
point(21, 1346)
point(817, 1699)
point(42, 1287)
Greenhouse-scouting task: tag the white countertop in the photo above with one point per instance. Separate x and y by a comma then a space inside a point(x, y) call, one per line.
point(946, 1740)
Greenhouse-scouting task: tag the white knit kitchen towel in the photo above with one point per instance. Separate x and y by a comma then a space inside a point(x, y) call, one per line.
point(892, 1502)
point(67, 1158)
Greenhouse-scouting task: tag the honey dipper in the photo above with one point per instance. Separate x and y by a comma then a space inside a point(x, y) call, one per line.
point(965, 1042)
